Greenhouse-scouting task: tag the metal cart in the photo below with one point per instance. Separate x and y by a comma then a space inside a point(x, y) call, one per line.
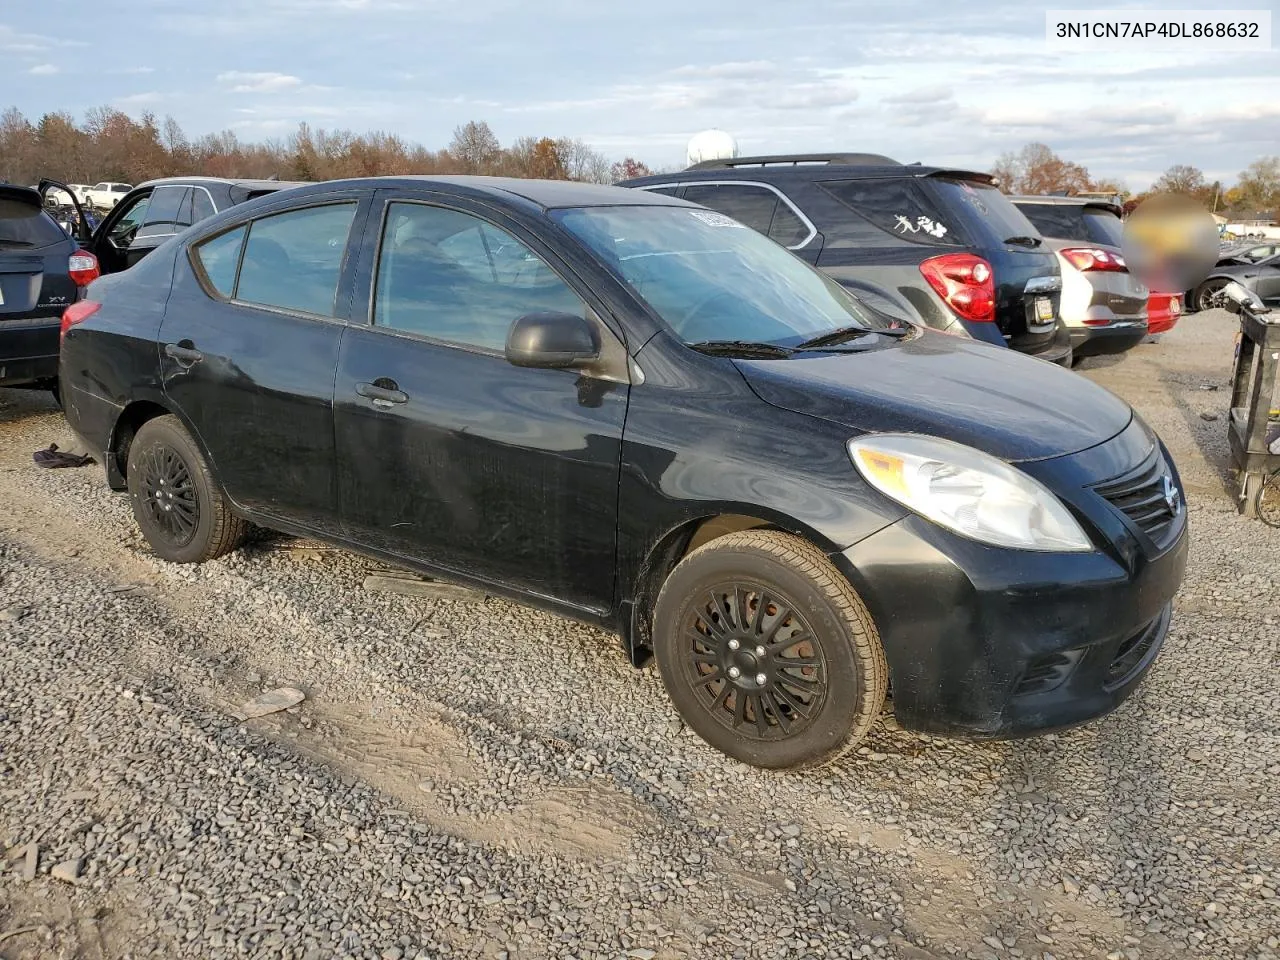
point(1253, 399)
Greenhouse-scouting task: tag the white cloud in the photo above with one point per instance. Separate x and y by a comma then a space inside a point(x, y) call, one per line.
point(44, 70)
point(241, 82)
point(139, 99)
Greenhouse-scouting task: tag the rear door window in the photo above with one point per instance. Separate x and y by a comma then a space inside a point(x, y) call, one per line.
point(168, 213)
point(202, 206)
point(219, 258)
point(760, 208)
point(750, 205)
point(898, 206)
point(292, 260)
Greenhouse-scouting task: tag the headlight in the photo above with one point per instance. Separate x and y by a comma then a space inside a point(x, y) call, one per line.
point(960, 488)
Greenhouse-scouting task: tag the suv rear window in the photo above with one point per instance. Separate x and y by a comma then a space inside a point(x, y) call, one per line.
point(983, 203)
point(29, 231)
point(1072, 222)
point(897, 206)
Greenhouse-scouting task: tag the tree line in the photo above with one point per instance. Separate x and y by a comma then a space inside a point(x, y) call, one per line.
point(1036, 169)
point(111, 145)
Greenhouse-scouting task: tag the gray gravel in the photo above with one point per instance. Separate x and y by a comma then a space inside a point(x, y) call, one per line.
point(474, 779)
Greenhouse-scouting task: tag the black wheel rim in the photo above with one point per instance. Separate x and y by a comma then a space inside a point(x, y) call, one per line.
point(753, 661)
point(1208, 295)
point(169, 496)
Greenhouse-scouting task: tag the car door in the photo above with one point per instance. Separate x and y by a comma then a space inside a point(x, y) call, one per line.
point(248, 349)
point(113, 236)
point(449, 454)
point(1268, 283)
point(167, 214)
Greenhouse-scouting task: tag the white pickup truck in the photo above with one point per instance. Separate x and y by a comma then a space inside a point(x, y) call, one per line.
point(105, 195)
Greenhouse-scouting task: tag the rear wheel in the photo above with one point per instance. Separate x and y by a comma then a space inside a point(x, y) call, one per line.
point(767, 652)
point(177, 504)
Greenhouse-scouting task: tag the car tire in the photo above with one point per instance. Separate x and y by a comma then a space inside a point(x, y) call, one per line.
point(750, 589)
point(178, 506)
point(1207, 290)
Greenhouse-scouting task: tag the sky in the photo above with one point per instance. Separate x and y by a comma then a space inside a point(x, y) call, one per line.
point(945, 83)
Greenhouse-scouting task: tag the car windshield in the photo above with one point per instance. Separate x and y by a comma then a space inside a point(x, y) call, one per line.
point(712, 279)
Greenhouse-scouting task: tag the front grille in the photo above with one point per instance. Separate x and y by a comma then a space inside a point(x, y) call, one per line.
point(1142, 495)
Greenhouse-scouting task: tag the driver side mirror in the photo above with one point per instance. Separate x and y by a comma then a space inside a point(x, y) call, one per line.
point(553, 341)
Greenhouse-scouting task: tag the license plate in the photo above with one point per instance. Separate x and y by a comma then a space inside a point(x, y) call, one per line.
point(1044, 309)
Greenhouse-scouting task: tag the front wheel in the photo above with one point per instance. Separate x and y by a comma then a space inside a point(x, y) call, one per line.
point(1207, 292)
point(767, 652)
point(177, 504)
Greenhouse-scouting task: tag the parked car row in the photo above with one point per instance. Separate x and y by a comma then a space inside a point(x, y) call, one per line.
point(787, 484)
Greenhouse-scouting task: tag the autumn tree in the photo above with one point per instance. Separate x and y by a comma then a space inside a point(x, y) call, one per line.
point(1036, 169)
point(1181, 178)
point(1259, 187)
point(628, 168)
point(475, 147)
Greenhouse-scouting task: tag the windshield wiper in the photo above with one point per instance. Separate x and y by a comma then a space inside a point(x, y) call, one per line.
point(16, 243)
point(742, 348)
point(1024, 241)
point(843, 334)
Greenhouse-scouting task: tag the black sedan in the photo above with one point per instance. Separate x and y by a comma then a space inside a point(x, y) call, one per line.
point(636, 412)
point(1261, 278)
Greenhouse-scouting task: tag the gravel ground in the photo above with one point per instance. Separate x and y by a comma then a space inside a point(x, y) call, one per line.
point(477, 779)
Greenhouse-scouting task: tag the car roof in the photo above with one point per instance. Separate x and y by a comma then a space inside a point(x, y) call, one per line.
point(546, 194)
point(230, 181)
point(808, 167)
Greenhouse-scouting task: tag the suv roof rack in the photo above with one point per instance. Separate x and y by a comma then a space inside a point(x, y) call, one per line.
point(795, 159)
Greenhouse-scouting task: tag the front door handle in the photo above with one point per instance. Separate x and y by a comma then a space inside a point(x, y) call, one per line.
point(382, 396)
point(182, 354)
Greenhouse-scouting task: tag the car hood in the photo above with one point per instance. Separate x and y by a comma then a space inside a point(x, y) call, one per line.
point(991, 398)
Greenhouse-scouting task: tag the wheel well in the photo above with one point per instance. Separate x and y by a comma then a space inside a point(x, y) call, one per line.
point(662, 559)
point(128, 424)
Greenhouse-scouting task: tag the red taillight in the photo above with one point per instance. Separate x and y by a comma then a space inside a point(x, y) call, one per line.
point(77, 313)
point(1092, 258)
point(965, 282)
point(83, 267)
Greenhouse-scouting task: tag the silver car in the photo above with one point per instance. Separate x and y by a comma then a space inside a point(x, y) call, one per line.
point(1104, 306)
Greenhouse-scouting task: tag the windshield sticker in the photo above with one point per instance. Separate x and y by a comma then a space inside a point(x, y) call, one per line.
point(712, 219)
point(921, 225)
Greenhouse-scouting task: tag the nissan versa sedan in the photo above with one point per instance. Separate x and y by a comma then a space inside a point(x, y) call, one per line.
point(637, 412)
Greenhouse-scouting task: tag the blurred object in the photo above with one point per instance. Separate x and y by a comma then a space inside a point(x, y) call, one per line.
point(1171, 242)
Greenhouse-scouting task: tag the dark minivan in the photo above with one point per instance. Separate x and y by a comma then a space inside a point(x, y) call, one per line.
point(945, 241)
point(638, 413)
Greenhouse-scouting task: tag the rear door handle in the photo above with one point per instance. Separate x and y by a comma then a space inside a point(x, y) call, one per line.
point(182, 354)
point(382, 396)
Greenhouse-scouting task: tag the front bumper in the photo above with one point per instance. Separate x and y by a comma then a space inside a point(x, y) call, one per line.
point(994, 643)
point(29, 351)
point(1116, 337)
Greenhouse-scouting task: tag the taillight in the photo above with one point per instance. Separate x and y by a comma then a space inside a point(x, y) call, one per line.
point(77, 313)
point(964, 281)
point(1092, 258)
point(83, 267)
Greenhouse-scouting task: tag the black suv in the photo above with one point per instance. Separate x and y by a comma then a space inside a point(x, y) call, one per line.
point(947, 242)
point(42, 272)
